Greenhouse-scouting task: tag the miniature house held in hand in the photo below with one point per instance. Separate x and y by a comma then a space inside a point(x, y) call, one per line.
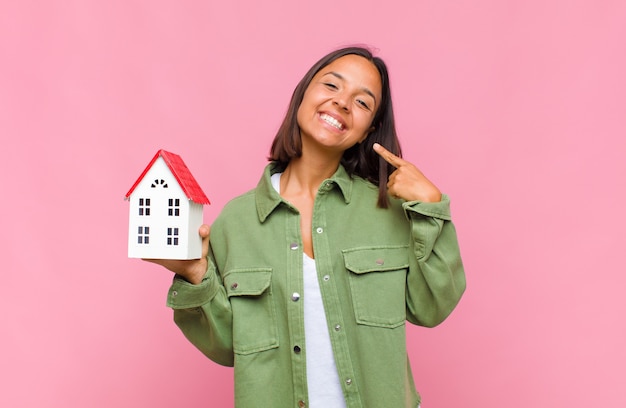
point(165, 211)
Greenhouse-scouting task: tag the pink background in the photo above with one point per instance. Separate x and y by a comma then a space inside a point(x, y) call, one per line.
point(514, 108)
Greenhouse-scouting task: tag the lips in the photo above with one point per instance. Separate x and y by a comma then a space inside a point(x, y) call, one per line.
point(332, 121)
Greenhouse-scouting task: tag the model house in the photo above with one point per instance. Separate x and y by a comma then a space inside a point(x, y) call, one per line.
point(165, 211)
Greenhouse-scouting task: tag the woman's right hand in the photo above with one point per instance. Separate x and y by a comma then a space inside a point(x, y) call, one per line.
point(191, 270)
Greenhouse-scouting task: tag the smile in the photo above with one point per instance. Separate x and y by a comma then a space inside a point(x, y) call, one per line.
point(331, 121)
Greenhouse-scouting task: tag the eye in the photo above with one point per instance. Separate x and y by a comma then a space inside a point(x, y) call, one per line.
point(330, 85)
point(363, 104)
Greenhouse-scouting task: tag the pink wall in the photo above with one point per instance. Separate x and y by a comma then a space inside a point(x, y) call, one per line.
point(516, 109)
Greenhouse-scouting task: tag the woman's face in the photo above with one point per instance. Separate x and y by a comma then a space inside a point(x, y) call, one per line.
point(339, 104)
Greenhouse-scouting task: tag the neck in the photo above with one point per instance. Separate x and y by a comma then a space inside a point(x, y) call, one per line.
point(306, 173)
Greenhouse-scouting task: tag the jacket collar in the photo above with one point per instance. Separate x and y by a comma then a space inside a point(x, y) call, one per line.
point(267, 199)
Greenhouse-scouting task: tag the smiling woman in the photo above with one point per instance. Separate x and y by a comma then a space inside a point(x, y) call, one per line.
point(307, 281)
point(360, 158)
point(339, 104)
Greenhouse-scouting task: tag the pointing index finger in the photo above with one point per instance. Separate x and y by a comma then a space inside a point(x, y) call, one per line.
point(388, 156)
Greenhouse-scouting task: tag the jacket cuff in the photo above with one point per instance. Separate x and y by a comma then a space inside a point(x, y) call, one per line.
point(185, 295)
point(439, 210)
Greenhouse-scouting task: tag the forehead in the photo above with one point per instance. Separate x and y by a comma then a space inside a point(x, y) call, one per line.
point(355, 70)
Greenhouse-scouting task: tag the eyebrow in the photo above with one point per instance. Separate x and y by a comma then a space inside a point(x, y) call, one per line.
point(364, 89)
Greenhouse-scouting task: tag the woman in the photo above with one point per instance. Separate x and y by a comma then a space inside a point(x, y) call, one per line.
point(310, 277)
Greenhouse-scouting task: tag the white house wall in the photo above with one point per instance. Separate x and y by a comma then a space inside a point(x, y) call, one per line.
point(158, 221)
point(196, 217)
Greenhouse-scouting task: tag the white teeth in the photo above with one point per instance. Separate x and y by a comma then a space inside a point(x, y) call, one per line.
point(332, 121)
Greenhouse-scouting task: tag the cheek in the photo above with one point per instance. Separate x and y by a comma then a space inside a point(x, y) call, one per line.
point(299, 116)
point(365, 122)
point(306, 110)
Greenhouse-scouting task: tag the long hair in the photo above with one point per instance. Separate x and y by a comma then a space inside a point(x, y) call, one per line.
point(360, 159)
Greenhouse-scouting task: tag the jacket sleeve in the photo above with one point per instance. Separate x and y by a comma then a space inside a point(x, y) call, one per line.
point(436, 279)
point(204, 315)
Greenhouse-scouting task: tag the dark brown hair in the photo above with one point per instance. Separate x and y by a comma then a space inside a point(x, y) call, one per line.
point(360, 159)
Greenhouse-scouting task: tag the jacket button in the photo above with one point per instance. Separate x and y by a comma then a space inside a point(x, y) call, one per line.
point(295, 296)
point(380, 262)
point(297, 349)
point(234, 286)
point(293, 246)
point(349, 381)
point(301, 404)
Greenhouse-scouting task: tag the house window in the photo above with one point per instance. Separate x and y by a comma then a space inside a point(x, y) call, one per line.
point(143, 235)
point(144, 206)
point(159, 182)
point(172, 236)
point(173, 207)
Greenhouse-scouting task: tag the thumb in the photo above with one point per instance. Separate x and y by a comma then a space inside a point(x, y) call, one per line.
point(204, 231)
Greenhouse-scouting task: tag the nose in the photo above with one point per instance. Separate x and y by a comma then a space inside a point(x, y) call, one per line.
point(341, 101)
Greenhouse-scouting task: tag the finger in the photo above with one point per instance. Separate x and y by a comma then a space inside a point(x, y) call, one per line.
point(204, 231)
point(153, 260)
point(388, 156)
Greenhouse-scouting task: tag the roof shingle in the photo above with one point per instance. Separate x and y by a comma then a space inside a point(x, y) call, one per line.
point(181, 172)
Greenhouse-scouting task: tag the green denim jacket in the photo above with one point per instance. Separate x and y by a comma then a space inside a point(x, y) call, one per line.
point(377, 268)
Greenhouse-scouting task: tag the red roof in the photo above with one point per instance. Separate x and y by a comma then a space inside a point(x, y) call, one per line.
point(182, 174)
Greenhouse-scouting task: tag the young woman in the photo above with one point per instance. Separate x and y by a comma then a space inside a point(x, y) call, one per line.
point(309, 279)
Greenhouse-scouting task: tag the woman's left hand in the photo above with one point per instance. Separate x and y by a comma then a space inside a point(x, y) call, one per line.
point(407, 181)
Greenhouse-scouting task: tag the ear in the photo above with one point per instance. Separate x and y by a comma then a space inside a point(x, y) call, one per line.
point(370, 130)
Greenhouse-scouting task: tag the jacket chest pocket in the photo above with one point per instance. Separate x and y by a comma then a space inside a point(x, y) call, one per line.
point(254, 315)
point(377, 277)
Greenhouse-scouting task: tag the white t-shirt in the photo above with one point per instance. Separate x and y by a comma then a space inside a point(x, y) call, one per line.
point(321, 371)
